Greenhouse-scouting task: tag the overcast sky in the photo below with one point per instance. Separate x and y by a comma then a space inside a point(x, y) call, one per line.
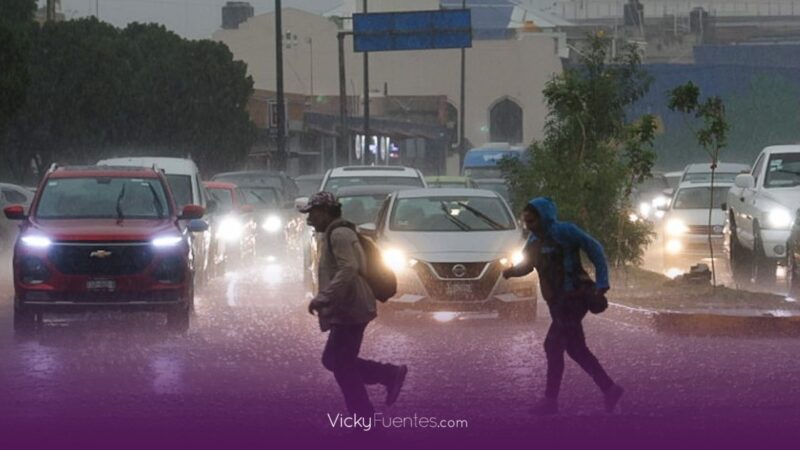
point(190, 18)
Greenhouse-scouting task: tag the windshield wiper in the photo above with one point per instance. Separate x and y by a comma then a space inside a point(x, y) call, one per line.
point(481, 215)
point(458, 223)
point(121, 195)
point(156, 201)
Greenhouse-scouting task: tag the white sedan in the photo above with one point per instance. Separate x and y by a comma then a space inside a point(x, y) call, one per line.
point(448, 248)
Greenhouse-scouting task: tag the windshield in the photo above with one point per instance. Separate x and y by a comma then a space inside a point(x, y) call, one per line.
point(181, 187)
point(223, 198)
point(362, 208)
point(783, 170)
point(103, 198)
point(699, 197)
point(335, 183)
point(705, 177)
point(261, 197)
point(252, 179)
point(450, 214)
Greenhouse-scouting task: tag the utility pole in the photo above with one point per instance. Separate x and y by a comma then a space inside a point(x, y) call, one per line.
point(344, 135)
point(281, 122)
point(367, 134)
point(50, 13)
point(461, 110)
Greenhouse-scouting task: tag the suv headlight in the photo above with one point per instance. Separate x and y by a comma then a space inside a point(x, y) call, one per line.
point(230, 229)
point(779, 218)
point(36, 241)
point(272, 224)
point(676, 227)
point(396, 260)
point(167, 241)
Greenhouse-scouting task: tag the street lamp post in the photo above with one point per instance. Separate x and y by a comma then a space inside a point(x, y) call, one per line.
point(281, 122)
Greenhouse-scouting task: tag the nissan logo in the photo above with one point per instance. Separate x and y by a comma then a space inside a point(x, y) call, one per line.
point(459, 270)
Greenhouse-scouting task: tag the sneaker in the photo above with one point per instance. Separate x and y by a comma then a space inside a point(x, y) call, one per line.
point(393, 390)
point(545, 407)
point(612, 396)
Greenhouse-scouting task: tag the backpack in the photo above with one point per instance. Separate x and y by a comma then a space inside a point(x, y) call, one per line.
point(380, 278)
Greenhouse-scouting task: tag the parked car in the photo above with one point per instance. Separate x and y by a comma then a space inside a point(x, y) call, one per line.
point(685, 226)
point(448, 248)
point(308, 184)
point(450, 182)
point(187, 189)
point(263, 178)
point(362, 175)
point(100, 237)
point(234, 225)
point(761, 209)
point(11, 194)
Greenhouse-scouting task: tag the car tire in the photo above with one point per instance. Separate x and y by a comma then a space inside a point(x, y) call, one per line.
point(763, 267)
point(741, 259)
point(519, 311)
point(792, 276)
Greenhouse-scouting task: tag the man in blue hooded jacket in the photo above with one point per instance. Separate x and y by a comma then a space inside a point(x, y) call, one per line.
point(553, 249)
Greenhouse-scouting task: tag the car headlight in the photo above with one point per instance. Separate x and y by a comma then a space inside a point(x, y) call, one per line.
point(272, 224)
point(36, 241)
point(515, 258)
point(676, 227)
point(779, 218)
point(644, 210)
point(167, 241)
point(674, 246)
point(230, 229)
point(660, 201)
point(396, 260)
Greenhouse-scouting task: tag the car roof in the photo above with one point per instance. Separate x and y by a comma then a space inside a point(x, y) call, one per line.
point(782, 149)
point(380, 189)
point(717, 184)
point(103, 170)
point(218, 185)
point(721, 167)
point(267, 173)
point(447, 192)
point(178, 166)
point(312, 177)
point(374, 171)
point(446, 178)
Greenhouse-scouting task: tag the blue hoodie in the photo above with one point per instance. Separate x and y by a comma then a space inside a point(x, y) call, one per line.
point(572, 240)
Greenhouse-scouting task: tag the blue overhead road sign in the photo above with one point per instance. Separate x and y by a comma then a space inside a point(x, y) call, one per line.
point(416, 30)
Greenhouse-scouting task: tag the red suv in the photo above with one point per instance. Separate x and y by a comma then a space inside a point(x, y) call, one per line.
point(103, 237)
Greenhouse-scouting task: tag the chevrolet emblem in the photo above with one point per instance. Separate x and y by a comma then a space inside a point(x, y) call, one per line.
point(100, 254)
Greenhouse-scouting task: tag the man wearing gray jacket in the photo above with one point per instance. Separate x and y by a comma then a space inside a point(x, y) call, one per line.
point(345, 305)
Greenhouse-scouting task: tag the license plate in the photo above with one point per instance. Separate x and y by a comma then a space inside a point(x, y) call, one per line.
point(458, 290)
point(101, 285)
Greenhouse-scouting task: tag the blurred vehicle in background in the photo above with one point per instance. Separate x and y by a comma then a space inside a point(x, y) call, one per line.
point(673, 180)
point(651, 197)
point(186, 186)
point(100, 237)
point(272, 214)
point(340, 177)
point(448, 248)
point(308, 184)
point(481, 162)
point(499, 185)
point(450, 182)
point(11, 194)
point(685, 226)
point(264, 178)
point(234, 226)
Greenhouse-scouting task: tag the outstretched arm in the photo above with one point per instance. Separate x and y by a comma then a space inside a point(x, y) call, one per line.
point(527, 264)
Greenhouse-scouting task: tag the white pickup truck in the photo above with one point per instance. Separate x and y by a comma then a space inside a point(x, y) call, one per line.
point(762, 207)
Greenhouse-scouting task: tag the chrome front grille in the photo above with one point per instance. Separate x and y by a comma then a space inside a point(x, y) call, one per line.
point(100, 259)
point(452, 289)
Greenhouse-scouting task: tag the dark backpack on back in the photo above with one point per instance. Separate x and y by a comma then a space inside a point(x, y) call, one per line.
point(380, 278)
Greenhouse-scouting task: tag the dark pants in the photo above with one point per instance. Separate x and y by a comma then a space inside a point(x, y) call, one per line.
point(566, 335)
point(351, 372)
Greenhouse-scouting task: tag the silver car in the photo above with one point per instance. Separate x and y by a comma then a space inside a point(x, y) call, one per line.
point(449, 247)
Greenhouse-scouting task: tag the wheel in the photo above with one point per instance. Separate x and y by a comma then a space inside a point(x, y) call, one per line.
point(764, 267)
point(792, 277)
point(741, 259)
point(519, 311)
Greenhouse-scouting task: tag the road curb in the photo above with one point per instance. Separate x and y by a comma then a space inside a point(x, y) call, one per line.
point(707, 324)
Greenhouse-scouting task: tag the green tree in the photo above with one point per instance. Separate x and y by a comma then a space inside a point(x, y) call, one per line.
point(16, 24)
point(712, 136)
point(591, 157)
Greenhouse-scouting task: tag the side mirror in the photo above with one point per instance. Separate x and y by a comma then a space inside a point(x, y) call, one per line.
point(724, 206)
point(368, 229)
point(744, 181)
point(191, 212)
point(14, 212)
point(211, 206)
point(197, 226)
point(300, 202)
